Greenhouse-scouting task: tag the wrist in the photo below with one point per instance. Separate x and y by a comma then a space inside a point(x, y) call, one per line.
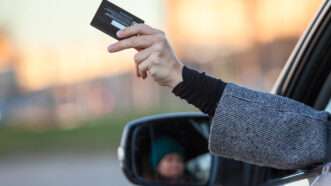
point(177, 76)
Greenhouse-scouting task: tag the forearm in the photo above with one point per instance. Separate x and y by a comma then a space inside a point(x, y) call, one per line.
point(257, 127)
point(267, 130)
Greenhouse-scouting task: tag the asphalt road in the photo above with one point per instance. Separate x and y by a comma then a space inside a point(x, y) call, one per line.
point(61, 170)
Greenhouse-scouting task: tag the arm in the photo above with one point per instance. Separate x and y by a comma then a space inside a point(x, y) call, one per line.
point(256, 127)
point(267, 130)
point(247, 125)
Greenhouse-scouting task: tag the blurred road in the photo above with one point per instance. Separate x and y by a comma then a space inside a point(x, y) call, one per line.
point(61, 170)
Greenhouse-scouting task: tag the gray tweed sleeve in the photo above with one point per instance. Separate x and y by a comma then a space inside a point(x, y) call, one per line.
point(267, 130)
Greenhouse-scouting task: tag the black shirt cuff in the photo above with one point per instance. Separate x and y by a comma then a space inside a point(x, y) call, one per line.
point(200, 90)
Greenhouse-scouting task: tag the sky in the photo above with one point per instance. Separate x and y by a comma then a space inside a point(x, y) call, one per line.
point(56, 44)
point(53, 21)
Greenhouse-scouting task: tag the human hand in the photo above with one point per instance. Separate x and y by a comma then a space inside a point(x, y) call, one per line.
point(155, 57)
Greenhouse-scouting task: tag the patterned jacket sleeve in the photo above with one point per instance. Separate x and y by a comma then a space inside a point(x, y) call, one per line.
point(267, 130)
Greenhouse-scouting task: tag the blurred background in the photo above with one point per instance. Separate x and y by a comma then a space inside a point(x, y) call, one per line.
point(64, 100)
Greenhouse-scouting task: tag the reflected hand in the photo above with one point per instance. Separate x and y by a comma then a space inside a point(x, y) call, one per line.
point(155, 55)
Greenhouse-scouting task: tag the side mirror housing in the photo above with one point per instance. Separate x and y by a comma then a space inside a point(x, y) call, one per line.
point(169, 149)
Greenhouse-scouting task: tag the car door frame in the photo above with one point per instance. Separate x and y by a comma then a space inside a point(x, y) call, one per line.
point(290, 75)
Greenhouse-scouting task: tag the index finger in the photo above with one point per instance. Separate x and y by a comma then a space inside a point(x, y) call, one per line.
point(137, 29)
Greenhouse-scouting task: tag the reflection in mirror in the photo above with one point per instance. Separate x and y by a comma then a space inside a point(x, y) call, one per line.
point(175, 153)
point(200, 167)
point(304, 182)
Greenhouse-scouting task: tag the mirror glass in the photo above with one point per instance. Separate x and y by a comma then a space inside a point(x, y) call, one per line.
point(304, 182)
point(172, 151)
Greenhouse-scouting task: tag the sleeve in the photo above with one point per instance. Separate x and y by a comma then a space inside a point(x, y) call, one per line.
point(267, 130)
point(200, 90)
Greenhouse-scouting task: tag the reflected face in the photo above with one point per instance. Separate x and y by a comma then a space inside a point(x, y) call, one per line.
point(171, 166)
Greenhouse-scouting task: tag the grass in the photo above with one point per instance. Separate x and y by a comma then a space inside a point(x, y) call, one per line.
point(102, 134)
point(95, 135)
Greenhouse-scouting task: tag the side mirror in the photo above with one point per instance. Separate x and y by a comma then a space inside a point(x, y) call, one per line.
point(170, 149)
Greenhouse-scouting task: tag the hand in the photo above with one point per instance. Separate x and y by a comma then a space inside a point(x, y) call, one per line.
point(155, 56)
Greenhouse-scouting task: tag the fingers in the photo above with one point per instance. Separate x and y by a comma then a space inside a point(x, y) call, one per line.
point(143, 55)
point(147, 65)
point(137, 42)
point(137, 71)
point(149, 43)
point(139, 58)
point(137, 29)
point(144, 67)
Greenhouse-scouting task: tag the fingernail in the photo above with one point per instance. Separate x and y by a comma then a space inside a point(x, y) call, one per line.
point(119, 33)
point(110, 48)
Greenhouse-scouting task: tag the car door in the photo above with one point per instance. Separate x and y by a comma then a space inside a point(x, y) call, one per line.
point(306, 78)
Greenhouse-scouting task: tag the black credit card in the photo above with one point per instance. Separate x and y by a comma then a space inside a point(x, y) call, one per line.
point(111, 18)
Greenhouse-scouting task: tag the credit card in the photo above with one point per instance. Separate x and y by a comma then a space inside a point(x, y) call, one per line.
point(110, 19)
